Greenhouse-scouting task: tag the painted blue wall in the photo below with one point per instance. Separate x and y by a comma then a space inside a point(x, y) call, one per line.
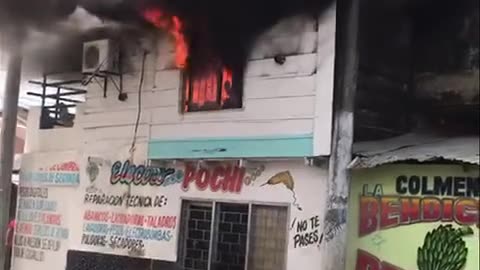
point(246, 147)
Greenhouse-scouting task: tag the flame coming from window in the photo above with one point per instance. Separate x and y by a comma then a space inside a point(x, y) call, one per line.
point(205, 90)
point(174, 26)
point(208, 89)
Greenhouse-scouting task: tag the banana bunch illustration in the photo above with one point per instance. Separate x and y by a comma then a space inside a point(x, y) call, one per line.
point(444, 249)
point(286, 179)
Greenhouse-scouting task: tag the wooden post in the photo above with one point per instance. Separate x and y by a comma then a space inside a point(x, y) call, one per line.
point(346, 70)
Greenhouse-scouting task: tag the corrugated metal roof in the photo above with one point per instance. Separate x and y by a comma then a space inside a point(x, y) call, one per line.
point(416, 147)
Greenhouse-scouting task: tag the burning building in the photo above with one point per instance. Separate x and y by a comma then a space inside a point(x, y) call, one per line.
point(203, 140)
point(211, 126)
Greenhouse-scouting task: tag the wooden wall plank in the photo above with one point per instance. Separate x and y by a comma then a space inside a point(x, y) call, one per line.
point(279, 87)
point(323, 124)
point(296, 65)
point(231, 129)
point(150, 99)
point(115, 132)
point(294, 24)
point(255, 88)
point(266, 47)
point(257, 109)
point(167, 79)
point(109, 119)
point(285, 44)
point(131, 82)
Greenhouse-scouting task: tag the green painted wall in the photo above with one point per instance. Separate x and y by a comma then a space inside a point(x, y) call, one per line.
point(397, 246)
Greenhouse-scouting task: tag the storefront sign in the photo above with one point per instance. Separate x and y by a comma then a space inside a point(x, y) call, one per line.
point(411, 217)
point(225, 178)
point(42, 229)
point(60, 174)
point(129, 208)
point(125, 208)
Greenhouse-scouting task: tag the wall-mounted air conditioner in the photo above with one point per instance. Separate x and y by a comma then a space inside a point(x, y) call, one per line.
point(100, 56)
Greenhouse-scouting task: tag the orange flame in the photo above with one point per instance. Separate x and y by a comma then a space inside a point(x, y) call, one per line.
point(205, 88)
point(174, 26)
point(227, 81)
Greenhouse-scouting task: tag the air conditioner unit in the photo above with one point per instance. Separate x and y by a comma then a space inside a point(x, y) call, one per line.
point(100, 55)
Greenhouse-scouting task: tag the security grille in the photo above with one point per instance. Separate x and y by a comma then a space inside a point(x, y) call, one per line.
point(245, 236)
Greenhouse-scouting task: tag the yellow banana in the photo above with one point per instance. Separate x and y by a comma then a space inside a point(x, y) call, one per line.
point(281, 178)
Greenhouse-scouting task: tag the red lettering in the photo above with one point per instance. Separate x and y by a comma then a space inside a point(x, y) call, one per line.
point(189, 177)
point(410, 210)
point(202, 179)
point(447, 210)
point(51, 219)
point(240, 176)
point(368, 215)
point(466, 211)
point(387, 212)
point(161, 222)
point(96, 216)
point(229, 181)
point(366, 261)
point(390, 212)
point(218, 172)
point(431, 209)
point(24, 228)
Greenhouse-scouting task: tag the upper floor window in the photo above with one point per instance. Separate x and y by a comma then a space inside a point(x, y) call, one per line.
point(215, 89)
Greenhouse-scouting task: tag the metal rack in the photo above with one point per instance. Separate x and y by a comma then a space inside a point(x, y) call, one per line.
point(105, 76)
point(61, 116)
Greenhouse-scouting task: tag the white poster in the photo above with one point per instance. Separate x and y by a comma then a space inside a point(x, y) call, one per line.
point(126, 208)
point(129, 208)
point(47, 181)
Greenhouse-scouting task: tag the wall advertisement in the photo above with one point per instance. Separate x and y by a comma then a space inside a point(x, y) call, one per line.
point(128, 207)
point(43, 213)
point(414, 217)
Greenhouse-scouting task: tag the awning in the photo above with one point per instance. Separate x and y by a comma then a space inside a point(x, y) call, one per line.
point(416, 147)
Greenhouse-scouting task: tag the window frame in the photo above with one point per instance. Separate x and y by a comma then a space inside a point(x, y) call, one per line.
point(185, 100)
point(181, 249)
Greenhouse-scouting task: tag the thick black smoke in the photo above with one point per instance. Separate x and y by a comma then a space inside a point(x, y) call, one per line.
point(225, 30)
point(217, 31)
point(35, 13)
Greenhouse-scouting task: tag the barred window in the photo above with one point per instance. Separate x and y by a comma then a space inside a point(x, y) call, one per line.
point(231, 236)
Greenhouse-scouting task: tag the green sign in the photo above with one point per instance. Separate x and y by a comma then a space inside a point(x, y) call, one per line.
point(414, 217)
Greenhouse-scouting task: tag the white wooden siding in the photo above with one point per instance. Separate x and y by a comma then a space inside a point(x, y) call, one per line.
point(236, 128)
point(278, 99)
point(112, 119)
point(324, 83)
point(116, 133)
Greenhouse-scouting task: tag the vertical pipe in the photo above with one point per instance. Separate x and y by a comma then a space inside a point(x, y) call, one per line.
point(346, 70)
point(7, 147)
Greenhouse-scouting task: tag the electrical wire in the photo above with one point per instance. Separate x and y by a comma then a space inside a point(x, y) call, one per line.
point(139, 105)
